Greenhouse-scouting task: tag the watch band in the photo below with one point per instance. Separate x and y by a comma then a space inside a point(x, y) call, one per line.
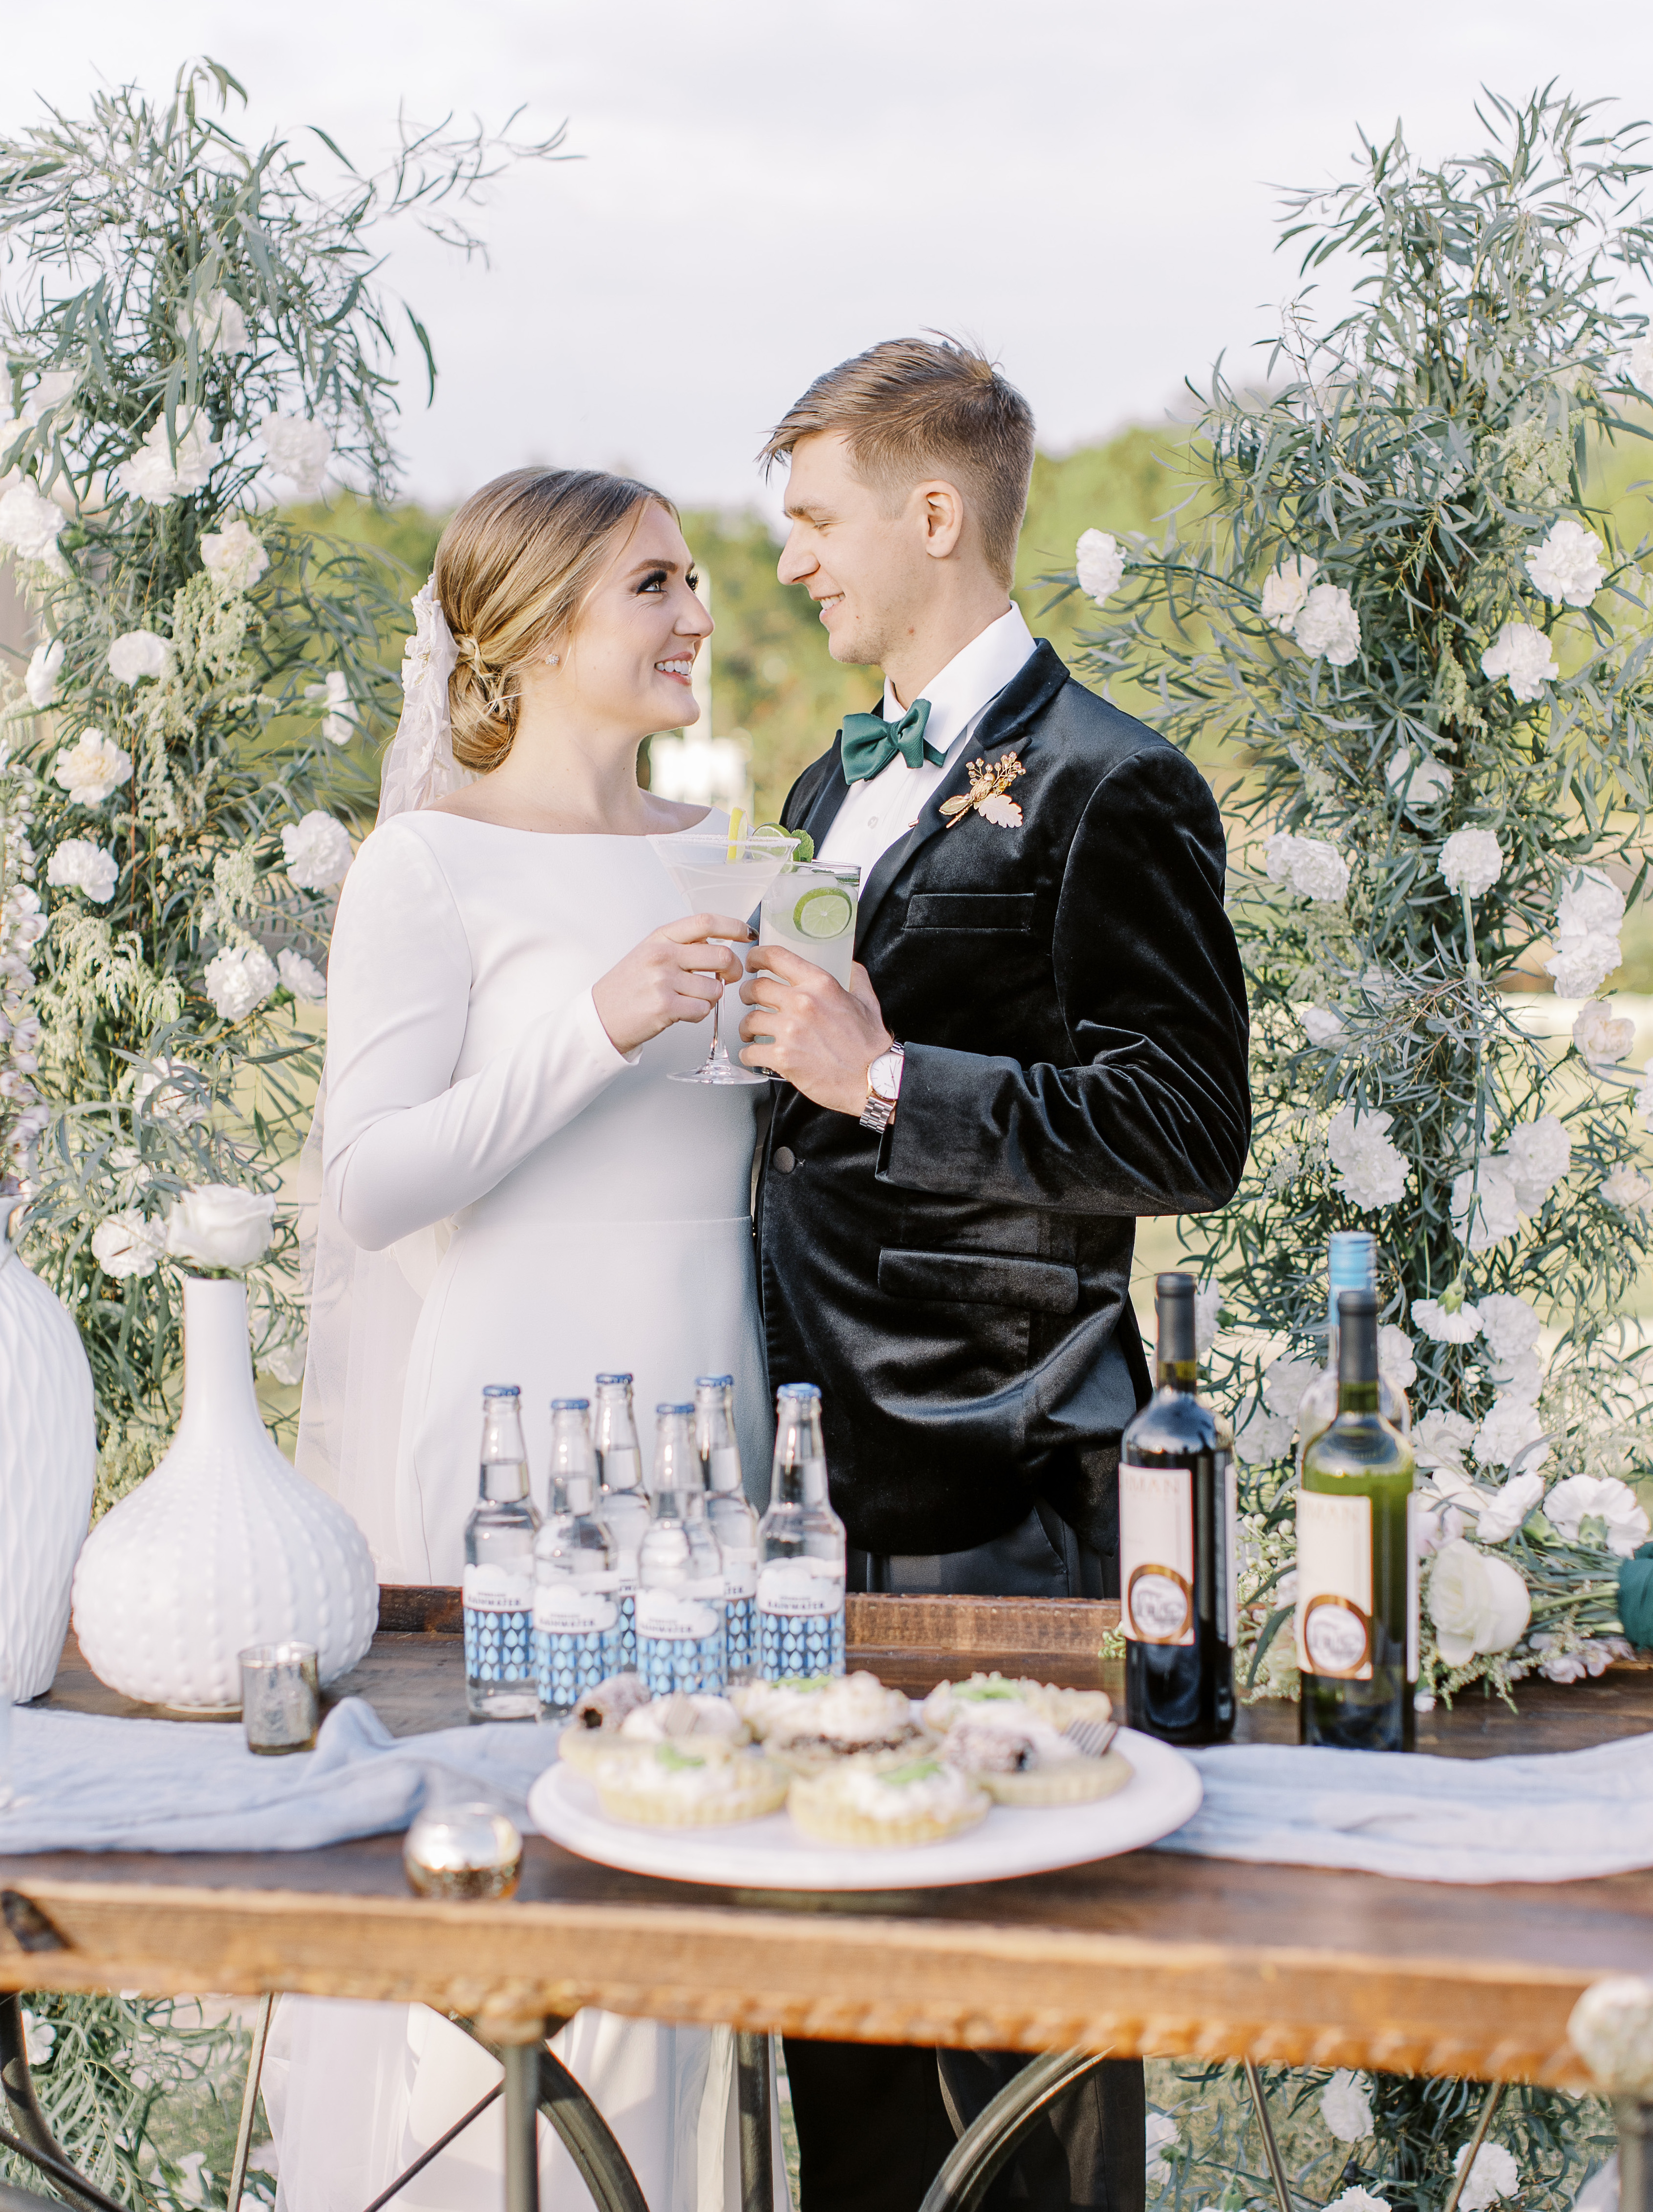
point(880, 1108)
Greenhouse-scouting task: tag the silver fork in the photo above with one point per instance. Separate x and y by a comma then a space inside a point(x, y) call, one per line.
point(1091, 1738)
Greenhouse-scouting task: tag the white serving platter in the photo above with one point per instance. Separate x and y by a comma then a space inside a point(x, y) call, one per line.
point(1164, 1792)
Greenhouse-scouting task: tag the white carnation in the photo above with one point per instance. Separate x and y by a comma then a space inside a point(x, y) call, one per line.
point(219, 325)
point(44, 666)
point(1491, 1198)
point(1441, 1326)
point(1588, 916)
point(1313, 868)
point(1284, 1384)
point(1441, 1438)
point(1320, 1023)
point(1570, 564)
point(1511, 1324)
point(1602, 1038)
point(166, 1090)
point(1522, 653)
point(52, 390)
point(125, 1245)
point(1423, 781)
point(217, 1225)
point(318, 852)
point(1346, 2107)
point(1356, 2199)
point(284, 1363)
point(298, 449)
point(1502, 1515)
point(302, 977)
point(1262, 1438)
point(1626, 1189)
point(1643, 1099)
point(79, 865)
point(1207, 1305)
point(238, 979)
point(1159, 2136)
point(1329, 627)
point(1472, 860)
point(1395, 1361)
point(1476, 1603)
point(30, 524)
point(91, 767)
point(1639, 361)
point(1494, 2175)
point(1508, 1428)
point(1099, 562)
point(138, 653)
point(234, 556)
point(1539, 1154)
point(1285, 591)
point(155, 473)
point(1370, 1170)
point(340, 721)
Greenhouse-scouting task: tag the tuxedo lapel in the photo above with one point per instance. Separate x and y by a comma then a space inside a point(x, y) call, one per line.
point(1003, 725)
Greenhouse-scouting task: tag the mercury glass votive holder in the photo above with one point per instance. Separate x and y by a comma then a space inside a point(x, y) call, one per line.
point(463, 1851)
point(281, 1698)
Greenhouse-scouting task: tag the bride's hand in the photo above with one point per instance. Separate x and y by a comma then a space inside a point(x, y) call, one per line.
point(675, 975)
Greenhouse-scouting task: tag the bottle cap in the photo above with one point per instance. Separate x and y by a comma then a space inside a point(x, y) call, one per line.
point(663, 1410)
point(500, 1390)
point(1357, 1305)
point(798, 1390)
point(613, 1381)
point(714, 1382)
point(1174, 1296)
point(571, 1405)
point(1352, 1260)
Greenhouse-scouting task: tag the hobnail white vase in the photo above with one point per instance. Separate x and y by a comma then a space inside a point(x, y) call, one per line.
point(224, 1545)
point(48, 1463)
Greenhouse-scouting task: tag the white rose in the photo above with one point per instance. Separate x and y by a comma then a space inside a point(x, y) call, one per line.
point(1472, 860)
point(218, 1226)
point(234, 556)
point(1329, 627)
point(1502, 1516)
point(1626, 1188)
point(1207, 1305)
point(1346, 2107)
point(126, 1245)
point(1570, 564)
point(1477, 1604)
point(299, 450)
point(1602, 1038)
point(91, 767)
point(302, 977)
point(1099, 562)
point(318, 852)
point(1284, 592)
point(44, 666)
point(219, 325)
point(1395, 1361)
point(339, 721)
point(167, 1090)
point(1441, 1438)
point(138, 653)
point(1441, 1326)
point(1421, 781)
point(1539, 1154)
point(1370, 1170)
point(153, 472)
point(1619, 1521)
point(1522, 653)
point(30, 524)
point(1494, 2175)
point(1320, 1023)
point(238, 979)
point(79, 865)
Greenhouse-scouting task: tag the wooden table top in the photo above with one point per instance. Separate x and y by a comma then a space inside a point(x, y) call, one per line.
point(1152, 1953)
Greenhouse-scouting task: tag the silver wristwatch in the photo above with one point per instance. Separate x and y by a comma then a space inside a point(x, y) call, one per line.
point(883, 1089)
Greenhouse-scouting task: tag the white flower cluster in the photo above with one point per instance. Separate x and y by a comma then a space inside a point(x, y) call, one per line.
point(1588, 916)
point(1511, 1185)
point(91, 767)
point(138, 653)
point(298, 449)
point(30, 524)
point(338, 721)
point(128, 1246)
point(1420, 779)
point(217, 323)
point(1321, 1023)
point(1522, 654)
point(1568, 1656)
point(41, 678)
point(317, 851)
point(1267, 1421)
point(1346, 2107)
point(23, 924)
point(79, 865)
point(302, 976)
point(1592, 1508)
point(1313, 868)
point(1494, 2175)
point(1472, 860)
point(234, 556)
point(1569, 565)
point(1371, 1171)
point(1511, 1328)
point(1099, 563)
point(1626, 1188)
point(1320, 616)
point(1602, 1038)
point(157, 472)
point(239, 979)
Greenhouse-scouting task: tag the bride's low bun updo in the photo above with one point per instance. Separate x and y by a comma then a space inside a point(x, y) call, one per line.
point(512, 570)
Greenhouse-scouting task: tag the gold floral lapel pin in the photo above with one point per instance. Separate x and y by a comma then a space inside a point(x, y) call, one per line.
point(987, 794)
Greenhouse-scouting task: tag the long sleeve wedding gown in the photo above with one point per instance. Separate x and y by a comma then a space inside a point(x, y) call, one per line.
point(519, 1203)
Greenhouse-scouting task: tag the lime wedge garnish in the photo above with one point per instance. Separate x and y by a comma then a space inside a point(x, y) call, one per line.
point(824, 912)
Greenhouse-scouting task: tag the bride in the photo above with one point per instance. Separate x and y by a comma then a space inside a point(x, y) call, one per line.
point(512, 1192)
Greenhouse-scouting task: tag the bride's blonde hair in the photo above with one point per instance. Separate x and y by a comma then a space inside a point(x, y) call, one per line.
point(513, 568)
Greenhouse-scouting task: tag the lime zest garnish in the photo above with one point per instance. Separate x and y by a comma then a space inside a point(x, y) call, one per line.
point(981, 1693)
point(916, 1770)
point(675, 1761)
point(824, 912)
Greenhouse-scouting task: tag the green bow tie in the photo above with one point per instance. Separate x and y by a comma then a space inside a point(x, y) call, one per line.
point(869, 743)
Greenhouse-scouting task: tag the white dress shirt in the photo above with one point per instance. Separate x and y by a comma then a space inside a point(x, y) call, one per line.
point(883, 807)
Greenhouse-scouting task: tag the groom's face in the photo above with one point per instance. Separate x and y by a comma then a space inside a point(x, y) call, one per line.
point(859, 551)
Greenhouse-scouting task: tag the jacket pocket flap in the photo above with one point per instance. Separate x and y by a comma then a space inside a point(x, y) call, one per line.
point(971, 910)
point(980, 1279)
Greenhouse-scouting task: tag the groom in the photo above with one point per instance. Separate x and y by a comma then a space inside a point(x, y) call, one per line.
point(1045, 1038)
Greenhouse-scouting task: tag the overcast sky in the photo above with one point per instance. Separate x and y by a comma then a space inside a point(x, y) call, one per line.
point(1086, 186)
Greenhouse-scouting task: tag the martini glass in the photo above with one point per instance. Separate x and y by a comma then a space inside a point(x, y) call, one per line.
point(722, 874)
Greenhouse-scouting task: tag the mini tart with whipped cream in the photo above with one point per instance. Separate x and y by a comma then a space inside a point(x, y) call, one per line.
point(694, 1781)
point(808, 1725)
point(655, 1720)
point(1029, 1763)
point(1001, 1698)
point(888, 1801)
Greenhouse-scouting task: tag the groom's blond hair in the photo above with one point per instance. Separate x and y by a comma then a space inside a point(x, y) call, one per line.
point(913, 408)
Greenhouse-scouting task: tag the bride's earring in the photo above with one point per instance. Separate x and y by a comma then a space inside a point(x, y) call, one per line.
point(553, 659)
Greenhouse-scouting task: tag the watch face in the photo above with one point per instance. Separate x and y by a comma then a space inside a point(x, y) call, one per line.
point(884, 1074)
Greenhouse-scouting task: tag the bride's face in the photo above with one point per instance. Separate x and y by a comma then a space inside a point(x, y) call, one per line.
point(629, 659)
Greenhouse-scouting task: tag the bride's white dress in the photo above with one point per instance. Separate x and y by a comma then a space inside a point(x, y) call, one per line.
point(520, 1203)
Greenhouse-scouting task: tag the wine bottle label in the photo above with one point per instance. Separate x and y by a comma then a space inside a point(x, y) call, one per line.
point(583, 1608)
point(802, 1588)
point(1335, 1595)
point(690, 1613)
point(739, 1574)
point(496, 1590)
point(1156, 1553)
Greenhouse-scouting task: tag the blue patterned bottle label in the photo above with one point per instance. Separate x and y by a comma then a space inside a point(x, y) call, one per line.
point(577, 1638)
point(499, 1623)
point(800, 1619)
point(682, 1642)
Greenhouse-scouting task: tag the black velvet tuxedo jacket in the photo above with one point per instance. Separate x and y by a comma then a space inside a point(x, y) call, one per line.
point(1070, 998)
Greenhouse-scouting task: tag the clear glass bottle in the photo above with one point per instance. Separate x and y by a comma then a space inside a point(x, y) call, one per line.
point(800, 1542)
point(733, 1521)
point(498, 1590)
point(1357, 1603)
point(623, 1503)
point(1178, 1558)
point(1351, 1265)
point(576, 1606)
point(681, 1641)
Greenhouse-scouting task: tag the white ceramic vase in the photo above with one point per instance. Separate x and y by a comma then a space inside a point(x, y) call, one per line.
point(223, 1545)
point(48, 1462)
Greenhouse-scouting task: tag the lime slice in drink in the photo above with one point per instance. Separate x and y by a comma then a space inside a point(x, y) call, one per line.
point(823, 912)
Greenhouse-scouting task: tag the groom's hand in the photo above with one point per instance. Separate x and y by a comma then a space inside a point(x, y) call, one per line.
point(825, 1038)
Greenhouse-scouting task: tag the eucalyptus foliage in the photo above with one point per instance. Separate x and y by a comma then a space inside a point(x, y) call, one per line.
point(1407, 502)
